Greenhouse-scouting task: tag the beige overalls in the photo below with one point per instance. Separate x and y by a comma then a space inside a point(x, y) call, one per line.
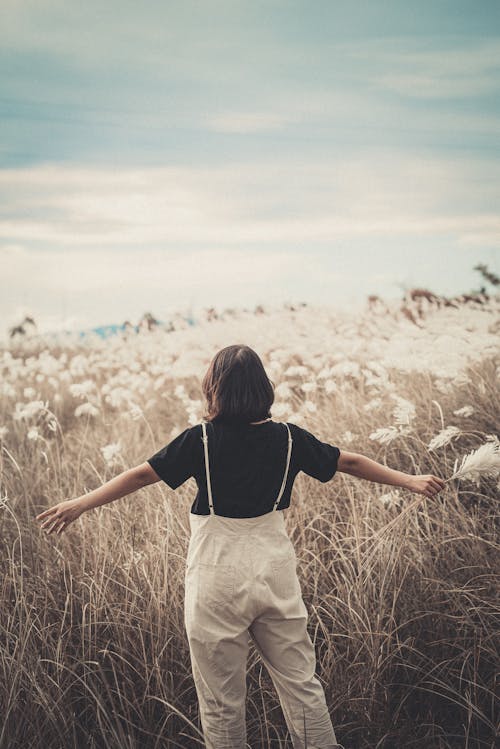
point(241, 582)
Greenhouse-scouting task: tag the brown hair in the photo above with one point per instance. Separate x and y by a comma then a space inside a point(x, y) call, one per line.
point(236, 386)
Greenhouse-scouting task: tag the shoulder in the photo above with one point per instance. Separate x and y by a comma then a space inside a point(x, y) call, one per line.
point(305, 439)
point(188, 438)
point(314, 456)
point(297, 431)
point(188, 444)
point(193, 434)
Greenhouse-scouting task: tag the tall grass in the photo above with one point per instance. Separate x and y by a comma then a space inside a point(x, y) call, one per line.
point(403, 600)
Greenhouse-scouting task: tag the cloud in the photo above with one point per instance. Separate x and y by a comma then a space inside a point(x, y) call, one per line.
point(433, 68)
point(250, 122)
point(83, 271)
point(376, 193)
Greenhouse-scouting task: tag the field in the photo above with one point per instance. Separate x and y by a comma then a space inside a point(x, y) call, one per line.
point(402, 590)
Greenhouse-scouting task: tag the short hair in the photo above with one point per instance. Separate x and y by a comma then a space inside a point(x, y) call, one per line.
point(236, 386)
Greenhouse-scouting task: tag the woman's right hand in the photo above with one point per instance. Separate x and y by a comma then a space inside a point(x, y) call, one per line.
point(426, 484)
point(59, 516)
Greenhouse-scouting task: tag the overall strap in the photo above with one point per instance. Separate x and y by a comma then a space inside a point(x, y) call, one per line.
point(207, 469)
point(286, 469)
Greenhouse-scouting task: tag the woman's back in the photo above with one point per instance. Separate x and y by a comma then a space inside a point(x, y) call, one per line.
point(247, 463)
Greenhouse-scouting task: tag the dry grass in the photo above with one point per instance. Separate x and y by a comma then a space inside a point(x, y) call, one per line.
point(403, 600)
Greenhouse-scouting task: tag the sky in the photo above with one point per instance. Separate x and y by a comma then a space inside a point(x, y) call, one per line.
point(174, 155)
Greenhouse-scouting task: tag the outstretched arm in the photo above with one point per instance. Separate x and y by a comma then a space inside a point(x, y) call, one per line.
point(366, 468)
point(60, 515)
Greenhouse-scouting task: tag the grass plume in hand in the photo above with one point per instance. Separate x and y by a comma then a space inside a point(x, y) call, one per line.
point(485, 461)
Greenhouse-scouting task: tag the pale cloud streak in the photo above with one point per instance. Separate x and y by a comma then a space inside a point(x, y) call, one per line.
point(272, 202)
point(155, 270)
point(460, 68)
point(251, 122)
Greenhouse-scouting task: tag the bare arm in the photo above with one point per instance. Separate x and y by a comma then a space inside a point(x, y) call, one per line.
point(120, 486)
point(60, 515)
point(365, 468)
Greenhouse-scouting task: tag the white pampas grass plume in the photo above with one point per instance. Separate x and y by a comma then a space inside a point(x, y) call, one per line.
point(280, 408)
point(373, 403)
point(297, 370)
point(345, 368)
point(310, 406)
point(309, 387)
point(283, 390)
point(348, 436)
point(135, 411)
point(330, 386)
point(86, 408)
point(464, 411)
point(404, 411)
point(485, 461)
point(391, 498)
point(444, 437)
point(30, 410)
point(111, 452)
point(385, 435)
point(81, 389)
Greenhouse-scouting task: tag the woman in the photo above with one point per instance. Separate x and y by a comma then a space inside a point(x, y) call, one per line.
point(241, 582)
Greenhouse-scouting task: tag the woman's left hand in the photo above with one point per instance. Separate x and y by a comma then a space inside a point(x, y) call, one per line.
point(426, 484)
point(61, 515)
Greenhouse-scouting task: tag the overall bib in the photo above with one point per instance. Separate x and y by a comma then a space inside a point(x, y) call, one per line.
point(240, 583)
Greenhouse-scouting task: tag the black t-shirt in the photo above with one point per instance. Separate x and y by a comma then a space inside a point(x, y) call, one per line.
point(247, 464)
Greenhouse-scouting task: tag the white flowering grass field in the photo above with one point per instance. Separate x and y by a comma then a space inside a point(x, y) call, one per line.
point(402, 590)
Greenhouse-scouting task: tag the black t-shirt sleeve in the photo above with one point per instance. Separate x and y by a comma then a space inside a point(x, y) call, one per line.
point(317, 459)
point(179, 459)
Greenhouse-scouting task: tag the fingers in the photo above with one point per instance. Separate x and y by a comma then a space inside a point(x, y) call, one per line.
point(52, 519)
point(440, 482)
point(58, 525)
point(45, 513)
point(434, 485)
point(430, 485)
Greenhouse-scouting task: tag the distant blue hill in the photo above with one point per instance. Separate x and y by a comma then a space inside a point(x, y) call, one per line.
point(105, 331)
